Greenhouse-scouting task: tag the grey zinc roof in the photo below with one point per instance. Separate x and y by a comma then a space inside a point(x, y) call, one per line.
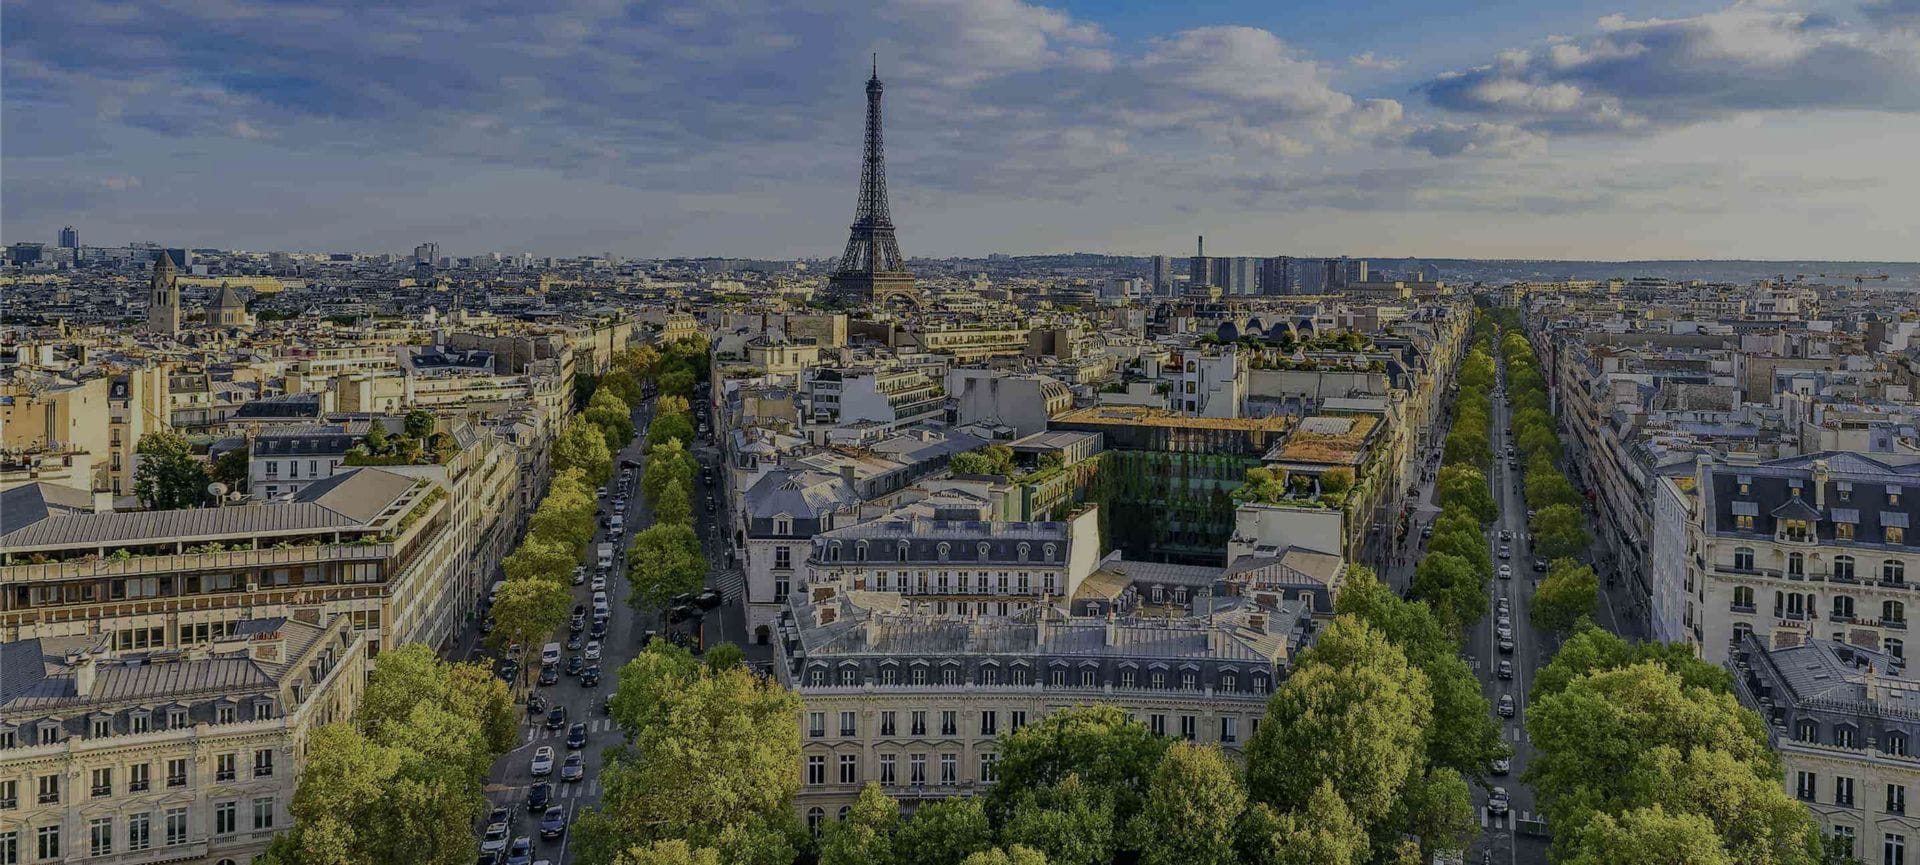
point(1797, 508)
point(25, 505)
point(801, 495)
point(360, 494)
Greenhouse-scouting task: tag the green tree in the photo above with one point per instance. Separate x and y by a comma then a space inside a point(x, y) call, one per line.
point(583, 447)
point(1323, 832)
point(1454, 587)
point(1545, 487)
point(166, 476)
point(1648, 836)
point(672, 851)
point(1560, 531)
point(865, 836)
point(664, 560)
point(1592, 650)
point(615, 423)
point(1015, 855)
point(725, 655)
point(676, 381)
point(668, 464)
point(671, 404)
point(1336, 481)
point(538, 558)
point(625, 386)
point(1261, 485)
point(376, 439)
point(1437, 809)
point(1466, 487)
point(669, 426)
point(421, 424)
point(637, 361)
point(1354, 713)
point(1569, 593)
point(989, 460)
point(1192, 805)
point(1099, 745)
point(1071, 822)
point(648, 684)
point(231, 468)
point(527, 611)
point(943, 833)
point(672, 505)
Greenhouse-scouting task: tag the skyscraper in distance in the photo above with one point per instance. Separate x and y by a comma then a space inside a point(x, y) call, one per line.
point(69, 238)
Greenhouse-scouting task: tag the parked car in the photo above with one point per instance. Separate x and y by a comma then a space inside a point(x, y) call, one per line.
point(709, 599)
point(542, 761)
point(593, 651)
point(1539, 566)
point(1506, 552)
point(599, 629)
point(575, 641)
point(553, 824)
point(575, 767)
point(549, 675)
point(575, 665)
point(1505, 707)
point(1504, 632)
point(1506, 645)
point(536, 704)
point(1506, 571)
point(1506, 534)
point(495, 840)
point(599, 582)
point(577, 735)
point(579, 575)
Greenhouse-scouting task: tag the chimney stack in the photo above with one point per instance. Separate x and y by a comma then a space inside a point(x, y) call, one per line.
point(83, 674)
point(102, 502)
point(1113, 628)
point(1200, 251)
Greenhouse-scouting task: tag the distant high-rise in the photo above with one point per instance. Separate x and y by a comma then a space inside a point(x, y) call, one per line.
point(163, 297)
point(428, 252)
point(69, 238)
point(1162, 273)
point(872, 270)
point(1239, 274)
point(1276, 275)
point(1200, 270)
point(1344, 271)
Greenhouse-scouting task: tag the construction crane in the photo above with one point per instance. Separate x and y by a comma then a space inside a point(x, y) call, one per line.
point(1858, 277)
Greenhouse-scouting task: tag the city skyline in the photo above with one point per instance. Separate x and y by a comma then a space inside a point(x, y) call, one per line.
point(1438, 131)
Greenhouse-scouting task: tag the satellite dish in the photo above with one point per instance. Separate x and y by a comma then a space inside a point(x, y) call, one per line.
point(217, 489)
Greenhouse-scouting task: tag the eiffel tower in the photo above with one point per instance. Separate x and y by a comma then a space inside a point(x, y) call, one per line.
point(872, 270)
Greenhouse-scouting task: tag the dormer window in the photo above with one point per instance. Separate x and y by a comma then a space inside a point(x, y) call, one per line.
point(1026, 551)
point(176, 718)
point(900, 552)
point(1048, 552)
point(946, 549)
point(860, 551)
point(984, 551)
point(1893, 494)
point(224, 714)
point(262, 710)
point(101, 726)
point(783, 525)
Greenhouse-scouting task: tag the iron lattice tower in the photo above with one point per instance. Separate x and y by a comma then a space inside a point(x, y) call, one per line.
point(872, 268)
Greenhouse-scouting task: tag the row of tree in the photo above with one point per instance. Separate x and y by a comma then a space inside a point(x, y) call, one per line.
point(665, 559)
point(401, 783)
point(1453, 577)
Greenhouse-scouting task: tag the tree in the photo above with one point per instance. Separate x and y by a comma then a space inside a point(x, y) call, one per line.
point(668, 464)
point(526, 611)
point(231, 468)
point(669, 426)
point(1437, 809)
point(1323, 832)
point(672, 505)
point(615, 422)
point(1099, 745)
point(1454, 587)
point(1353, 713)
point(669, 852)
point(538, 558)
point(1567, 595)
point(1592, 650)
point(989, 460)
point(625, 386)
point(376, 437)
point(560, 521)
point(725, 655)
point(1336, 481)
point(865, 836)
point(1191, 807)
point(420, 424)
point(648, 684)
point(1545, 487)
point(1466, 487)
point(943, 833)
point(1071, 822)
point(664, 560)
point(1648, 836)
point(1560, 531)
point(711, 762)
point(637, 361)
point(671, 404)
point(166, 476)
point(1261, 485)
point(1015, 855)
point(676, 382)
point(583, 447)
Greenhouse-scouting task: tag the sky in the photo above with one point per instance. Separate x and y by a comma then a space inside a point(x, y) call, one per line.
point(1618, 129)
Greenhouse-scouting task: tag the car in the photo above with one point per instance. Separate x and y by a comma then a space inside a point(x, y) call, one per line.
point(593, 651)
point(575, 768)
point(509, 669)
point(575, 641)
point(1505, 707)
point(1506, 552)
point(1501, 766)
point(1504, 620)
point(620, 506)
point(1426, 532)
point(1513, 464)
point(549, 675)
point(553, 823)
point(1506, 534)
point(709, 599)
point(710, 505)
point(601, 492)
point(520, 852)
point(577, 737)
point(495, 840)
point(488, 858)
point(599, 629)
point(575, 665)
point(502, 817)
point(556, 717)
point(536, 704)
point(539, 795)
point(1497, 802)
point(579, 575)
point(590, 677)
point(599, 582)
point(1503, 605)
point(542, 761)
point(1506, 645)
point(1530, 513)
point(1506, 669)
point(1506, 572)
point(1539, 566)
point(1504, 632)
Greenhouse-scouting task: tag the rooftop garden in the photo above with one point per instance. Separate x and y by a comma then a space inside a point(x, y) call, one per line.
point(418, 444)
point(1276, 486)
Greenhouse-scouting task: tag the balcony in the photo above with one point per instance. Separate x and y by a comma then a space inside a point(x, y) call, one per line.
point(193, 562)
point(1740, 608)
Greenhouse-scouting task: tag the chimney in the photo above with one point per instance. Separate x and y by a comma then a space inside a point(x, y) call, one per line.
point(1040, 623)
point(83, 673)
point(1200, 250)
point(102, 502)
point(846, 474)
point(1257, 622)
point(1113, 628)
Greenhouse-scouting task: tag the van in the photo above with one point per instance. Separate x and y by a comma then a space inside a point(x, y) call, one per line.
point(606, 556)
point(550, 654)
point(493, 594)
point(617, 523)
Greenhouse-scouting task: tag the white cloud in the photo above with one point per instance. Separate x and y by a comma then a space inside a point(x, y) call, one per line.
point(1367, 60)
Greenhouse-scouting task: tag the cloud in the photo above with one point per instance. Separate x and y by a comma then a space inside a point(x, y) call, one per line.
point(1659, 73)
point(1475, 139)
point(1367, 60)
point(1902, 14)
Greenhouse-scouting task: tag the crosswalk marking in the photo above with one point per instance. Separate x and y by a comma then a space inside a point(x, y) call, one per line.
point(731, 582)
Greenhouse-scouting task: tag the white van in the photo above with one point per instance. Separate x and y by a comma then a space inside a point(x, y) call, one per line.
point(616, 524)
point(606, 556)
point(549, 654)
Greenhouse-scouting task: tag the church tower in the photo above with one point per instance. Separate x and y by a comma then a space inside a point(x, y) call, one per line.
point(163, 298)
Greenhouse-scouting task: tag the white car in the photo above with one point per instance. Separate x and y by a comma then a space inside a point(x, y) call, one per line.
point(1504, 632)
point(542, 761)
point(1506, 572)
point(599, 582)
point(593, 650)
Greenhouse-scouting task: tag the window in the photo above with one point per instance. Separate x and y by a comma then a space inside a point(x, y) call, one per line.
point(224, 816)
point(1843, 531)
point(887, 675)
point(949, 675)
point(9, 794)
point(1843, 736)
point(986, 767)
point(1126, 678)
point(949, 722)
point(1896, 535)
point(1189, 680)
point(103, 781)
point(177, 772)
point(989, 675)
point(1893, 612)
point(101, 728)
point(1896, 743)
point(224, 715)
point(783, 558)
point(815, 816)
point(139, 831)
point(1743, 522)
point(1896, 799)
point(1229, 682)
point(989, 722)
point(917, 768)
point(1157, 679)
point(1796, 565)
point(781, 586)
point(176, 826)
point(1743, 558)
point(49, 838)
point(1804, 785)
point(918, 719)
point(225, 767)
point(1809, 730)
point(1058, 677)
point(1843, 792)
point(262, 711)
point(1843, 838)
point(139, 722)
point(100, 836)
point(1229, 730)
point(816, 725)
point(1842, 607)
point(849, 676)
point(1896, 647)
point(9, 847)
point(816, 769)
point(1020, 676)
point(886, 768)
point(919, 675)
point(1893, 851)
point(1743, 598)
point(49, 790)
point(949, 768)
point(849, 769)
point(849, 724)
point(1016, 719)
point(887, 723)
point(1893, 571)
point(1088, 677)
point(263, 763)
point(1189, 727)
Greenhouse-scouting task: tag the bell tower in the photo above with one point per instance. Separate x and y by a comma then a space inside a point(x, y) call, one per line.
point(163, 298)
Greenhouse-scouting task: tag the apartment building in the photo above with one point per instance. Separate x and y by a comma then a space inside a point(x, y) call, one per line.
point(1846, 722)
point(892, 396)
point(174, 754)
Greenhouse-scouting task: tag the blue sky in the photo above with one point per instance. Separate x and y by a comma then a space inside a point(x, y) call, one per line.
point(1614, 129)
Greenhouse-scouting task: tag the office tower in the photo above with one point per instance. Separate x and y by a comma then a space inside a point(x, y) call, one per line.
point(1162, 273)
point(428, 252)
point(1276, 275)
point(1344, 271)
point(872, 270)
point(163, 297)
point(1239, 274)
point(69, 238)
point(1200, 268)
